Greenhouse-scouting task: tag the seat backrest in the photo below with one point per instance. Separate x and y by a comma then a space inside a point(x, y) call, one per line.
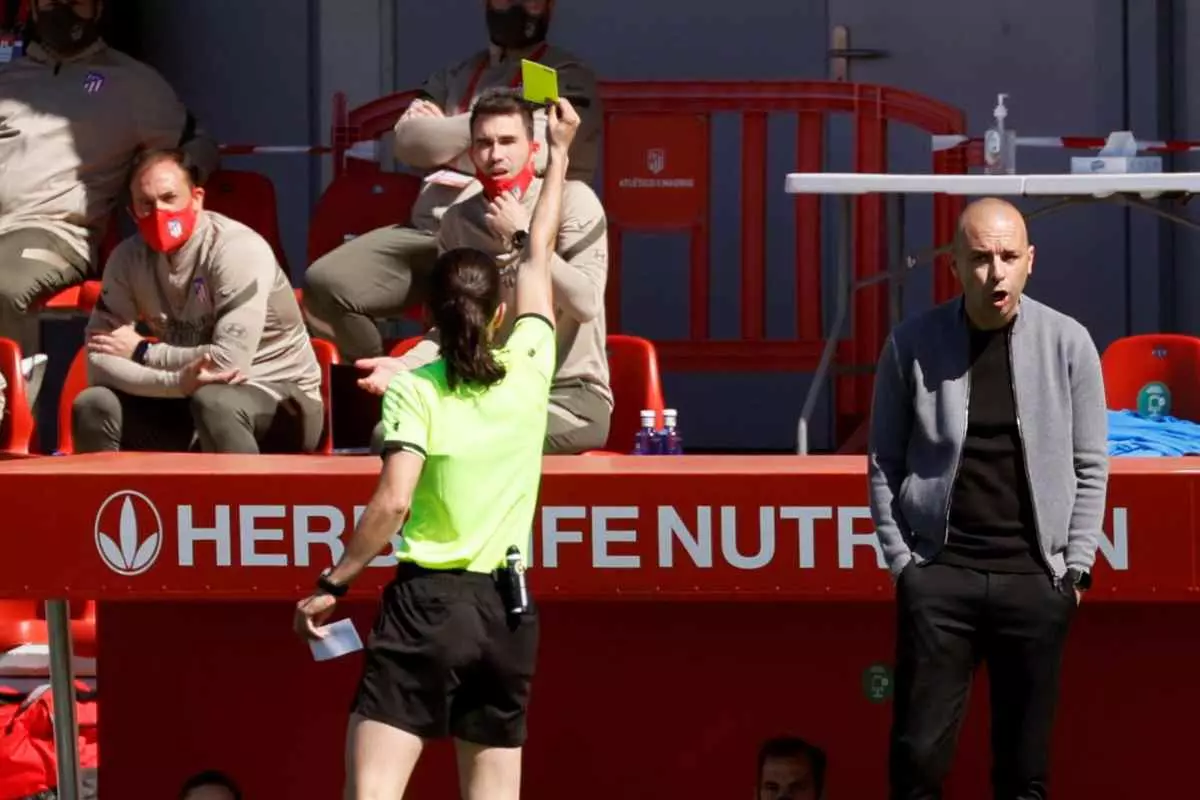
point(249, 198)
point(404, 345)
point(327, 356)
point(78, 299)
point(76, 381)
point(16, 425)
point(18, 619)
point(634, 378)
point(1156, 374)
point(355, 203)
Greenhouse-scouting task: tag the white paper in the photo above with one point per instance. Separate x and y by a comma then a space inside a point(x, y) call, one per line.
point(340, 638)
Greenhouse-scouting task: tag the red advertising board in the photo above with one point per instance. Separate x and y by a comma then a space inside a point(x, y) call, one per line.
point(141, 526)
point(634, 697)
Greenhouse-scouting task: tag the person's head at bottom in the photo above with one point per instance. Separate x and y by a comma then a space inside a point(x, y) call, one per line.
point(790, 768)
point(992, 260)
point(210, 785)
point(464, 300)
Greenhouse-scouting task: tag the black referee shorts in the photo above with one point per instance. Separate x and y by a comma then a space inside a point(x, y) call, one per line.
point(446, 659)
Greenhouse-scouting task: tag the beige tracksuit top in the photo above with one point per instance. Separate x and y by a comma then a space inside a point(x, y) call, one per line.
point(455, 89)
point(222, 293)
point(69, 131)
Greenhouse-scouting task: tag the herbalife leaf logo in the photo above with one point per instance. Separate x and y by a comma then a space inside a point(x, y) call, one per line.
point(128, 533)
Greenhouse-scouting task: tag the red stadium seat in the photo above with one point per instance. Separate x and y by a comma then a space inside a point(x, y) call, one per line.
point(403, 346)
point(75, 382)
point(327, 356)
point(249, 198)
point(23, 627)
point(1154, 374)
point(633, 375)
point(354, 204)
point(19, 621)
point(16, 426)
point(80, 298)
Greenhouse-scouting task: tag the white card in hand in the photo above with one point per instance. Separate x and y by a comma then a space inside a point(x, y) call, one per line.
point(341, 638)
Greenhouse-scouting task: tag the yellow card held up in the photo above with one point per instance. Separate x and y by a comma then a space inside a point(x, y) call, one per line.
point(540, 83)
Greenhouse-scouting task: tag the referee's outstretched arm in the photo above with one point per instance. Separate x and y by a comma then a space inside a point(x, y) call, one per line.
point(534, 294)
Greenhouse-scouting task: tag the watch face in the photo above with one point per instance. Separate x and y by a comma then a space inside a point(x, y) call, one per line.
point(1078, 579)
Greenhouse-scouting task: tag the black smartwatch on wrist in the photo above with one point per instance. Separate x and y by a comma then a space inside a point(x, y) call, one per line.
point(520, 239)
point(328, 587)
point(139, 352)
point(1076, 578)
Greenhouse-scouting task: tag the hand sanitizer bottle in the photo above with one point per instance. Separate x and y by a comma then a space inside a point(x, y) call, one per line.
point(1000, 143)
point(648, 441)
point(672, 439)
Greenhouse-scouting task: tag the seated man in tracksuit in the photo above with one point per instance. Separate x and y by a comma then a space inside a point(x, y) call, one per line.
point(496, 221)
point(385, 272)
point(233, 369)
point(73, 115)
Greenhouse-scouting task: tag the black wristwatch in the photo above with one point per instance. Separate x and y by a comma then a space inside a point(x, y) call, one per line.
point(520, 239)
point(139, 352)
point(1076, 578)
point(329, 587)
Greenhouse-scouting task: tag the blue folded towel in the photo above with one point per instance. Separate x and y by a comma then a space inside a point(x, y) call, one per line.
point(1130, 434)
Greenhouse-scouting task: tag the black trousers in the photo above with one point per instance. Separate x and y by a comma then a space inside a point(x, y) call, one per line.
point(950, 619)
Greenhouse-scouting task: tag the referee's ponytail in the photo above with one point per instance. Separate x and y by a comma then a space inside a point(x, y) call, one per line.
point(464, 296)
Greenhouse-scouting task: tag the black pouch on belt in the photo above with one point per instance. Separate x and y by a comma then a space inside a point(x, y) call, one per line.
point(510, 579)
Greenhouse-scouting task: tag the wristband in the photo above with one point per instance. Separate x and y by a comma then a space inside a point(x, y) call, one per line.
point(329, 587)
point(139, 352)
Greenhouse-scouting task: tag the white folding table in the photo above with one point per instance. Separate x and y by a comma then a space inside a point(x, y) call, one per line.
point(1137, 190)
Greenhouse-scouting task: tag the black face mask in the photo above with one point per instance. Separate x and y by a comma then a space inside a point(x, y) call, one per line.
point(515, 28)
point(64, 31)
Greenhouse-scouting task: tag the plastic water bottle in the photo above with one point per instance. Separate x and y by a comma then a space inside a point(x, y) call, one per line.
point(1000, 143)
point(672, 439)
point(648, 441)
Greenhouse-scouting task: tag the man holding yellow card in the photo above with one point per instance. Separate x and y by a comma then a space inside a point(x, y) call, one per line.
point(382, 274)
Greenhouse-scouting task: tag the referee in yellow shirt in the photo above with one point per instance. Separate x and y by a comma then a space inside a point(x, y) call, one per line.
point(462, 466)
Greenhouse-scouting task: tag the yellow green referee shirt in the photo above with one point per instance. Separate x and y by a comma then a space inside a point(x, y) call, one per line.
point(483, 453)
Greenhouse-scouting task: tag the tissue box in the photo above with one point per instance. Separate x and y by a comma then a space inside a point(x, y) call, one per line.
point(1109, 165)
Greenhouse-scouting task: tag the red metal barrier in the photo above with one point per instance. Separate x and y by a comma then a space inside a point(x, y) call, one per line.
point(657, 151)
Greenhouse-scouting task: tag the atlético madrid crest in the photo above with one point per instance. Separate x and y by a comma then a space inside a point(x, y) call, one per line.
point(656, 160)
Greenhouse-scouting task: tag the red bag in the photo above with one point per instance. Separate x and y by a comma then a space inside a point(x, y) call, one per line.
point(27, 760)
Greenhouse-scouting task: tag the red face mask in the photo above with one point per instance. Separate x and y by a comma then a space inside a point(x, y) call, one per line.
point(167, 231)
point(516, 185)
